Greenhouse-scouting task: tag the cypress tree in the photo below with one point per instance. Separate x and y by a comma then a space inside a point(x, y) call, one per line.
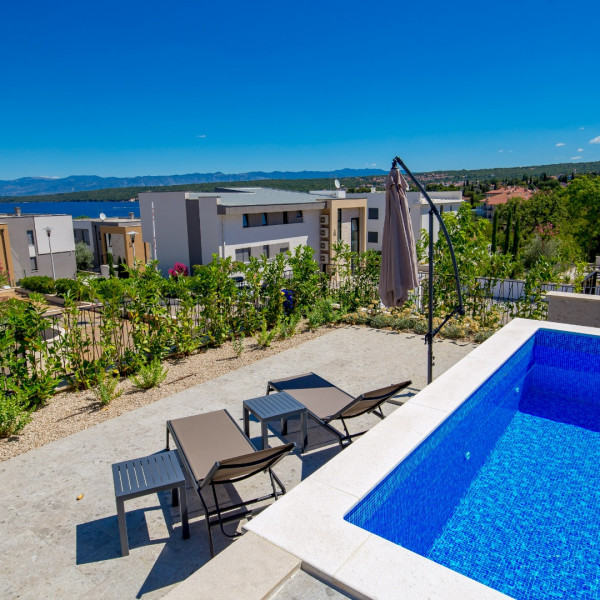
point(494, 231)
point(507, 231)
point(515, 246)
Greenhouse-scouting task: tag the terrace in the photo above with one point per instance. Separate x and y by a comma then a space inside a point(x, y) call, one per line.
point(55, 545)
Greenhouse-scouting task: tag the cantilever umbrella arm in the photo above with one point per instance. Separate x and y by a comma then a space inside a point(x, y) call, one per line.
point(433, 211)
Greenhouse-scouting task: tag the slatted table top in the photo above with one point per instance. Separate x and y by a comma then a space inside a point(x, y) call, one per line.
point(274, 406)
point(145, 475)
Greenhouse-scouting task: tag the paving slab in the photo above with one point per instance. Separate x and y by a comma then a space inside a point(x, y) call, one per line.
point(52, 545)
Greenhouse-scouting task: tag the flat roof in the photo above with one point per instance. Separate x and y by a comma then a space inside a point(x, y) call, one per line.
point(257, 197)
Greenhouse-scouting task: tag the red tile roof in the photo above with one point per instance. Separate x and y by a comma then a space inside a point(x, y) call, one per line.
point(502, 195)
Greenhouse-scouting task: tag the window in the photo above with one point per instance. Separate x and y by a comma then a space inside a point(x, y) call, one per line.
point(285, 218)
point(299, 216)
point(284, 248)
point(30, 239)
point(33, 263)
point(441, 209)
point(266, 251)
point(244, 220)
point(264, 219)
point(242, 255)
point(374, 214)
point(339, 226)
point(373, 237)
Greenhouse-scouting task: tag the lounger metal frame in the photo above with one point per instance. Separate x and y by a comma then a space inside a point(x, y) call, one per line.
point(265, 465)
point(345, 439)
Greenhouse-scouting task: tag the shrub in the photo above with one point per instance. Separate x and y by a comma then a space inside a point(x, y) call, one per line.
point(381, 321)
point(150, 375)
point(265, 336)
point(62, 287)
point(38, 283)
point(4, 280)
point(84, 257)
point(238, 344)
point(324, 312)
point(179, 270)
point(288, 326)
point(452, 331)
point(483, 335)
point(402, 323)
point(420, 327)
point(106, 390)
point(13, 412)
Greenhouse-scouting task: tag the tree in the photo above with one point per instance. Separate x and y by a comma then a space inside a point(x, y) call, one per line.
point(84, 257)
point(515, 246)
point(507, 232)
point(582, 207)
point(494, 231)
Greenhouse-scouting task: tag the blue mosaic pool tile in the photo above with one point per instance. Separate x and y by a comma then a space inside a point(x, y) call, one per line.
point(507, 490)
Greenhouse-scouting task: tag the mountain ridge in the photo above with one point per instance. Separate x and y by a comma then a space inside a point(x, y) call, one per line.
point(28, 186)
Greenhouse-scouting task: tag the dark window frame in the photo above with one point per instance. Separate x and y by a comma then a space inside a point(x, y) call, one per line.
point(245, 221)
point(370, 235)
point(374, 213)
point(30, 238)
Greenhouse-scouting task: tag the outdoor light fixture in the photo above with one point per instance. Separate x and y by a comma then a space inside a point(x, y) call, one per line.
point(132, 234)
point(48, 231)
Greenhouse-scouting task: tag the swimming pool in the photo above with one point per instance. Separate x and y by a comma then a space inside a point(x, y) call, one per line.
point(507, 490)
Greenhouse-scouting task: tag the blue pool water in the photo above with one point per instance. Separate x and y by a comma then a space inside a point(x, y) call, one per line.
point(507, 490)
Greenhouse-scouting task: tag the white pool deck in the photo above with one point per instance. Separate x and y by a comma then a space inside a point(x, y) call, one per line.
point(307, 524)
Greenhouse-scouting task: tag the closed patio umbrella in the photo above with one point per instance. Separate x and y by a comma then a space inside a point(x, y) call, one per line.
point(399, 272)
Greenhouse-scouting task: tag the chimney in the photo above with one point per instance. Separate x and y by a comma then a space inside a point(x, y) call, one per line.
point(132, 215)
point(17, 211)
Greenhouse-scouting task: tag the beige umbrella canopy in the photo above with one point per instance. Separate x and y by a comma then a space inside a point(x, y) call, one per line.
point(399, 272)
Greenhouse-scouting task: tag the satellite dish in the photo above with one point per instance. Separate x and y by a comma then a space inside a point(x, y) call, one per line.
point(337, 183)
point(102, 217)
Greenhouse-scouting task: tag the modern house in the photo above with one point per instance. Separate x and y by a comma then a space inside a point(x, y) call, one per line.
point(419, 212)
point(190, 227)
point(121, 237)
point(40, 245)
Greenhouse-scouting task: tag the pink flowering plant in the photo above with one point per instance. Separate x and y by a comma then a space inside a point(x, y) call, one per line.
point(179, 270)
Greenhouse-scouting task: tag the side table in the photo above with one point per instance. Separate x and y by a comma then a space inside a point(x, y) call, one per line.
point(155, 473)
point(272, 407)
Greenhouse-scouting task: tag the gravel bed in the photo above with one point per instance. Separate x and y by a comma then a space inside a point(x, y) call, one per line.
point(71, 411)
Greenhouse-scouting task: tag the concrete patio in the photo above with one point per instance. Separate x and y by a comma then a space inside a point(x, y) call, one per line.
point(56, 546)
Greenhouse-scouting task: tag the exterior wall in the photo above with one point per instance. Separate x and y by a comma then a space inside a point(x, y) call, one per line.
point(374, 200)
point(81, 225)
point(211, 234)
point(575, 309)
point(171, 230)
point(351, 208)
point(236, 236)
point(122, 248)
point(63, 245)
point(5, 254)
point(419, 211)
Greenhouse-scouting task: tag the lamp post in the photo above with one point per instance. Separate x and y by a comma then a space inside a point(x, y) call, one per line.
point(48, 231)
point(132, 235)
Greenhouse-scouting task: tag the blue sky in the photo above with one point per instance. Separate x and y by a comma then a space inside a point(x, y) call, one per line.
point(146, 88)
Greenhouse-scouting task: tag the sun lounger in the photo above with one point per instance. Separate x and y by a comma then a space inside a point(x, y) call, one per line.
point(326, 402)
point(215, 451)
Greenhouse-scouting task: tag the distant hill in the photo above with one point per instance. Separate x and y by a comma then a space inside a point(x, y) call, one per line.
point(303, 181)
point(39, 186)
